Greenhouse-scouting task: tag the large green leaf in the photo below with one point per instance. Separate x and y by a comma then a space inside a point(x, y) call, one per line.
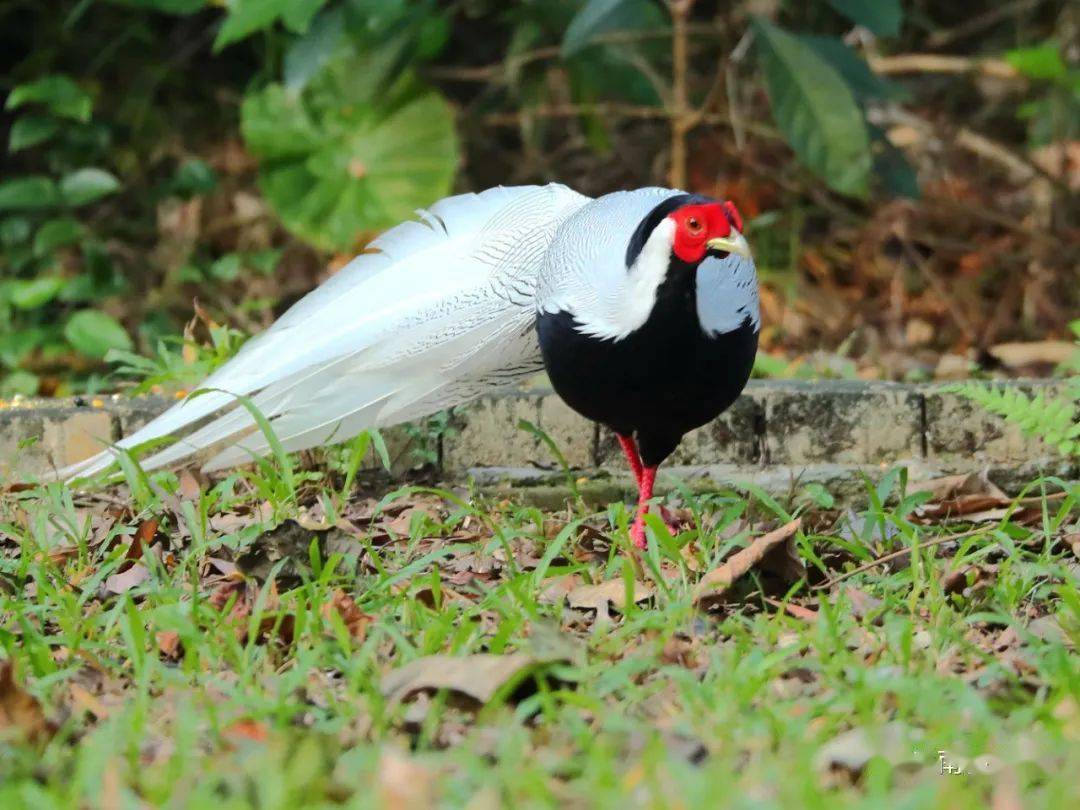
point(56, 233)
point(883, 17)
point(30, 130)
point(602, 16)
point(248, 16)
point(815, 110)
point(864, 83)
point(336, 164)
point(86, 185)
point(59, 93)
point(93, 333)
point(27, 193)
point(181, 7)
point(1038, 62)
point(34, 293)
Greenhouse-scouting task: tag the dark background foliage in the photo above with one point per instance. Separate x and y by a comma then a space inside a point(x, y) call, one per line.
point(909, 171)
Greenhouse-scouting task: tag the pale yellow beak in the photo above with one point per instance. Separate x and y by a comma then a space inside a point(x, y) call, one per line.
point(734, 242)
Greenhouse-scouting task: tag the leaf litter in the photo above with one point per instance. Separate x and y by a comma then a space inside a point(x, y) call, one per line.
point(250, 584)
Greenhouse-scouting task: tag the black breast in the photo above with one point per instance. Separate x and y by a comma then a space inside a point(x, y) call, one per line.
point(659, 382)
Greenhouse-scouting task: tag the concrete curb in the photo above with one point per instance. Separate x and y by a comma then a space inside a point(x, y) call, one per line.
point(778, 432)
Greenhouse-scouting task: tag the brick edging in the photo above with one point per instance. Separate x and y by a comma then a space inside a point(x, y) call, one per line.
point(775, 424)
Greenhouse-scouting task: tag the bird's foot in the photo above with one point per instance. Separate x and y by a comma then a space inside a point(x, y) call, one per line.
point(637, 530)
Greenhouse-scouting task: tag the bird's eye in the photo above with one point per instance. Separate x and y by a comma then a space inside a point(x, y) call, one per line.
point(693, 225)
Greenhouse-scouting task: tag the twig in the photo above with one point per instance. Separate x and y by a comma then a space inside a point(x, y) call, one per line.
point(937, 541)
point(499, 70)
point(615, 109)
point(936, 63)
point(682, 117)
point(983, 147)
point(978, 23)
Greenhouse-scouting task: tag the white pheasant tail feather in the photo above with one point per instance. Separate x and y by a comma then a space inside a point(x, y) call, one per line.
point(440, 312)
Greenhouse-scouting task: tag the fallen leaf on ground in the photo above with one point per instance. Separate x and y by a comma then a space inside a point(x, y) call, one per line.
point(798, 611)
point(251, 730)
point(973, 496)
point(403, 782)
point(188, 486)
point(1048, 628)
point(613, 592)
point(851, 750)
point(355, 620)
point(863, 604)
point(478, 677)
point(21, 715)
point(84, 700)
point(555, 589)
point(720, 579)
point(1017, 355)
point(168, 643)
point(126, 580)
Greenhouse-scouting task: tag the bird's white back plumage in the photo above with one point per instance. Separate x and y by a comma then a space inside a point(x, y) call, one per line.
point(442, 312)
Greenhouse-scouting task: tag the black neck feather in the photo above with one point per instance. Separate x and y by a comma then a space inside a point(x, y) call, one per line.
point(654, 218)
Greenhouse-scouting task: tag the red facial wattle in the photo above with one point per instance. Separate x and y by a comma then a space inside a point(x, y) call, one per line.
point(695, 225)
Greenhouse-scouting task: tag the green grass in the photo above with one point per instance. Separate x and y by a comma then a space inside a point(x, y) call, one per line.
point(279, 705)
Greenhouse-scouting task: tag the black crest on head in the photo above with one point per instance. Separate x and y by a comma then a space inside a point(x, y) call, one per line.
point(655, 217)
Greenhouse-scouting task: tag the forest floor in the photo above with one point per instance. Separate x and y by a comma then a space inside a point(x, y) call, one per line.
point(282, 638)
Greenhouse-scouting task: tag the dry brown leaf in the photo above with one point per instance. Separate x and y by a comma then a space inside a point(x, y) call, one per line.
point(863, 604)
point(554, 590)
point(168, 643)
point(189, 486)
point(613, 592)
point(1046, 352)
point(403, 782)
point(798, 611)
point(718, 580)
point(84, 700)
point(478, 677)
point(21, 715)
point(126, 580)
point(247, 730)
point(355, 620)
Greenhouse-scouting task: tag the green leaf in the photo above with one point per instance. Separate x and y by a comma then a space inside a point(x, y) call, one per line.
point(93, 333)
point(30, 130)
point(56, 233)
point(14, 230)
point(181, 7)
point(864, 83)
point(815, 110)
point(311, 52)
point(335, 163)
point(19, 382)
point(602, 16)
point(28, 193)
point(1039, 62)
point(882, 17)
point(194, 177)
point(86, 185)
point(59, 93)
point(34, 293)
point(227, 268)
point(248, 16)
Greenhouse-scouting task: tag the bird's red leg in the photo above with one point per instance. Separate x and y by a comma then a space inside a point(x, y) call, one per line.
point(645, 489)
point(629, 448)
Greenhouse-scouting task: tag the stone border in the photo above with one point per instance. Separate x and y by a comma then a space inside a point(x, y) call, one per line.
point(827, 430)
